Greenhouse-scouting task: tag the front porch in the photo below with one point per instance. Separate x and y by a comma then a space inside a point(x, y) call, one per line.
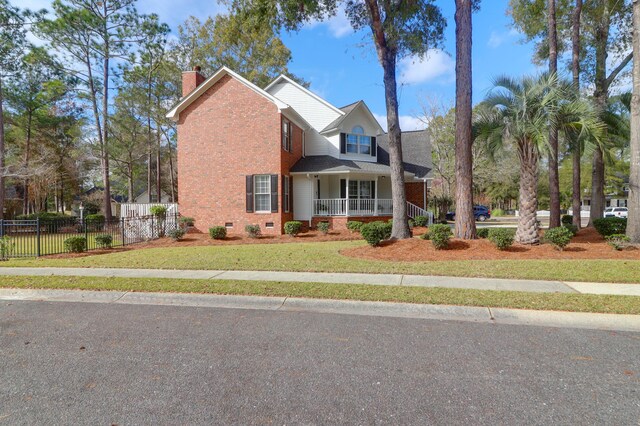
point(352, 207)
point(352, 195)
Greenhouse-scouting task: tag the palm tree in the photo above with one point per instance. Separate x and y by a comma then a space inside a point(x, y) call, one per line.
point(521, 111)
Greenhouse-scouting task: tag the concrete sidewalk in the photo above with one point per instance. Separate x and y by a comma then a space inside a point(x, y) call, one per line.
point(347, 307)
point(343, 278)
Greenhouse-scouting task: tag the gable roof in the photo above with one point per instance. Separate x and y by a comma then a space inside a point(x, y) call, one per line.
point(335, 124)
point(416, 152)
point(174, 114)
point(304, 90)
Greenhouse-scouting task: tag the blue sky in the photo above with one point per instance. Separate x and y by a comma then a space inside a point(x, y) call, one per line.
point(342, 66)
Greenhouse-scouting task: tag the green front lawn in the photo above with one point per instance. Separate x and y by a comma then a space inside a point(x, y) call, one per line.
point(325, 257)
point(438, 296)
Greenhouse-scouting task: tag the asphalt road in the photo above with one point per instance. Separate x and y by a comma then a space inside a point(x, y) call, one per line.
point(83, 363)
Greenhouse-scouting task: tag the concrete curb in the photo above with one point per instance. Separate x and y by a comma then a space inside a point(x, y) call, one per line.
point(499, 316)
point(501, 284)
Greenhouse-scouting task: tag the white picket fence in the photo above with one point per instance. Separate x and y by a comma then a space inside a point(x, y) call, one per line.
point(144, 209)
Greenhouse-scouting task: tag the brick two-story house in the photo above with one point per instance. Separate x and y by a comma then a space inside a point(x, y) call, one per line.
point(248, 155)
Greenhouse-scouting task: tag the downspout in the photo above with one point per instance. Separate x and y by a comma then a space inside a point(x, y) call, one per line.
point(424, 195)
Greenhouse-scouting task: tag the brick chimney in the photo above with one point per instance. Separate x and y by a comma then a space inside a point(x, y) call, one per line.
point(191, 80)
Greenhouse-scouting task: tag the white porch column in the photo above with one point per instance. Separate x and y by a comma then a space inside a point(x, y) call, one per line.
point(375, 197)
point(346, 192)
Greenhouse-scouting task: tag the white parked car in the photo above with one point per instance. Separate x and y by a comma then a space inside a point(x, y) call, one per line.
point(616, 212)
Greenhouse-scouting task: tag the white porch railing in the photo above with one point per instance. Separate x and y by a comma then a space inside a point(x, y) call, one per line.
point(143, 209)
point(352, 207)
point(413, 211)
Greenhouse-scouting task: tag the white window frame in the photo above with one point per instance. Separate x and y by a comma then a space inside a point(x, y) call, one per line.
point(359, 185)
point(359, 140)
point(285, 191)
point(256, 193)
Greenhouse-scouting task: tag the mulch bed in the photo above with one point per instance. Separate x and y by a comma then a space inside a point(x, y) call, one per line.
point(588, 244)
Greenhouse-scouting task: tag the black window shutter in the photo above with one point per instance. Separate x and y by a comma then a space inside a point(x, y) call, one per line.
point(343, 143)
point(274, 193)
point(249, 194)
point(373, 189)
point(374, 146)
point(343, 188)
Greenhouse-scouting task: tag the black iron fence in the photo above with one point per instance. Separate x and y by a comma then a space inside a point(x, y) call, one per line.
point(40, 237)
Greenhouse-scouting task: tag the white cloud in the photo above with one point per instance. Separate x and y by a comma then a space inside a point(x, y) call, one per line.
point(407, 122)
point(338, 25)
point(435, 64)
point(495, 40)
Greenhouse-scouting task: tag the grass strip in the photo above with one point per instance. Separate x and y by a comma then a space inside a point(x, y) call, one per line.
point(437, 296)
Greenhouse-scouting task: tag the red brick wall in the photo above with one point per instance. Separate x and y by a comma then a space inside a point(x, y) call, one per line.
point(415, 193)
point(226, 134)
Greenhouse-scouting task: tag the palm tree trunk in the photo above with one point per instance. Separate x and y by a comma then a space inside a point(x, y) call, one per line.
point(633, 223)
point(554, 178)
point(576, 196)
point(465, 220)
point(527, 232)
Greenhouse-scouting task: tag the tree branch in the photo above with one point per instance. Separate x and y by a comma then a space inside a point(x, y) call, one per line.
point(617, 70)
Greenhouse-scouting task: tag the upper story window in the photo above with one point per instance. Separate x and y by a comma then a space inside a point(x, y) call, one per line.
point(357, 142)
point(286, 135)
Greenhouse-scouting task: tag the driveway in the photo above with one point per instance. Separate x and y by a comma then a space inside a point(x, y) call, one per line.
point(86, 363)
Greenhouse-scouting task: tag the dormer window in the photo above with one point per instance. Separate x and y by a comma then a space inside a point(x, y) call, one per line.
point(357, 142)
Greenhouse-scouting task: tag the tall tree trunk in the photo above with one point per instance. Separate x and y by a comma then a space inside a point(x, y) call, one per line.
point(633, 223)
point(1, 152)
point(105, 117)
point(130, 178)
point(27, 149)
point(601, 95)
point(158, 168)
point(576, 196)
point(554, 178)
point(149, 144)
point(527, 232)
point(465, 219)
point(171, 173)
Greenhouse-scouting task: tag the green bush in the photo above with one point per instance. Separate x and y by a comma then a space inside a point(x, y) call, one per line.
point(186, 221)
point(158, 210)
point(567, 219)
point(94, 222)
point(6, 247)
point(354, 225)
point(425, 236)
point(253, 231)
point(482, 232)
point(104, 241)
point(610, 225)
point(440, 235)
point(421, 220)
point(91, 207)
point(323, 227)
point(571, 227)
point(218, 232)
point(558, 237)
point(497, 212)
point(42, 216)
point(618, 241)
point(293, 227)
point(75, 244)
point(502, 238)
point(375, 232)
point(176, 234)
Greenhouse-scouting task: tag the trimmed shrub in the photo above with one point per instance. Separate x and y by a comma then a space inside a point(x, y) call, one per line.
point(158, 210)
point(104, 241)
point(253, 231)
point(412, 223)
point(610, 225)
point(618, 241)
point(186, 221)
point(6, 247)
point(375, 232)
point(421, 220)
point(558, 237)
point(323, 227)
point(218, 232)
point(571, 227)
point(75, 244)
point(566, 219)
point(425, 236)
point(497, 212)
point(176, 234)
point(482, 232)
point(43, 216)
point(354, 225)
point(502, 238)
point(293, 227)
point(440, 235)
point(95, 222)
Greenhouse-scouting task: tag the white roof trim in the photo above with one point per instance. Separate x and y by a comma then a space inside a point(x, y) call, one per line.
point(358, 105)
point(174, 114)
point(305, 90)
